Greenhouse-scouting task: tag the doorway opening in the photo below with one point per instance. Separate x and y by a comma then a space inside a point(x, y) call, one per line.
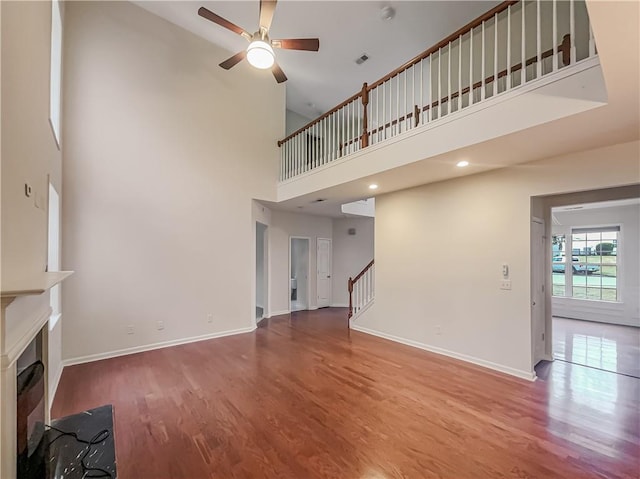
point(595, 270)
point(591, 282)
point(261, 271)
point(299, 262)
point(324, 267)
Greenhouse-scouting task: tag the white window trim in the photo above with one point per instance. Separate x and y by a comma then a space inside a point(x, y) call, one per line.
point(568, 279)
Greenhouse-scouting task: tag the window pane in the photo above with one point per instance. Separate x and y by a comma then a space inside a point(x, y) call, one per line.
point(558, 284)
point(579, 292)
point(594, 236)
point(579, 280)
point(609, 236)
point(593, 293)
point(609, 294)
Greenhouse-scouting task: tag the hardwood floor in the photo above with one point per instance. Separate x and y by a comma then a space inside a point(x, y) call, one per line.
point(303, 397)
point(598, 345)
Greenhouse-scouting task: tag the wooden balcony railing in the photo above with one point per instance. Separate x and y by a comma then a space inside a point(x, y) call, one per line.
point(512, 44)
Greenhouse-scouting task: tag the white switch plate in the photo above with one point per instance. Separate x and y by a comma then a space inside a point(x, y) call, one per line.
point(130, 329)
point(505, 284)
point(160, 325)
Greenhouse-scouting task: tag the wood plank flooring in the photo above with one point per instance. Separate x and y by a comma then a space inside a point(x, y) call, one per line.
point(304, 397)
point(609, 347)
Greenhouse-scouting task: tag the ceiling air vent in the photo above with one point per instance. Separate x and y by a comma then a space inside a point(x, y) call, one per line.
point(363, 58)
point(319, 200)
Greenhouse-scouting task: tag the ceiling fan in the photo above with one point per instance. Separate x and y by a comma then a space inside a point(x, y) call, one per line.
point(259, 53)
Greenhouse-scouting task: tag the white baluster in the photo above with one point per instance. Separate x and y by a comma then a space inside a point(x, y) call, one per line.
point(397, 104)
point(495, 55)
point(471, 68)
point(430, 110)
point(384, 110)
point(460, 73)
point(482, 69)
point(449, 79)
point(439, 83)
point(572, 31)
point(422, 87)
point(508, 81)
point(523, 71)
point(404, 103)
point(554, 33)
point(538, 41)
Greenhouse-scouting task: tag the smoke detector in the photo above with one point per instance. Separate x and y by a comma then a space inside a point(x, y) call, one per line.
point(387, 13)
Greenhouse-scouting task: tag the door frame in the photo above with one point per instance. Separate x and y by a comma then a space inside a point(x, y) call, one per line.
point(291, 238)
point(330, 240)
point(265, 273)
point(539, 260)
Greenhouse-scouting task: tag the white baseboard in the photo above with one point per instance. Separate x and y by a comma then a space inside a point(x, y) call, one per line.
point(340, 305)
point(529, 376)
point(278, 313)
point(150, 347)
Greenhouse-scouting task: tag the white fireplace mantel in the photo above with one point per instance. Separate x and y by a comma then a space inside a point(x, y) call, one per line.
point(16, 331)
point(30, 286)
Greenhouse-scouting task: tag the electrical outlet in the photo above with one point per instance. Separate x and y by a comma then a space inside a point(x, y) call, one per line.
point(209, 318)
point(505, 284)
point(130, 329)
point(438, 330)
point(159, 325)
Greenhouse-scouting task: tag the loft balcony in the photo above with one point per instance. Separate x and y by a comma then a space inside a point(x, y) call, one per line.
point(521, 64)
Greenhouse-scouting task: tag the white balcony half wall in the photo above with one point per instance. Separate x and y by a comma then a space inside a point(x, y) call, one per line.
point(563, 94)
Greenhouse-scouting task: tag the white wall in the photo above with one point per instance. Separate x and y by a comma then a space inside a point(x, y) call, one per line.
point(284, 225)
point(429, 279)
point(164, 153)
point(294, 121)
point(627, 311)
point(28, 154)
point(351, 253)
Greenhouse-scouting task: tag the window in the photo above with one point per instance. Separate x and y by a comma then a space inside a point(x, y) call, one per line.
point(558, 277)
point(595, 274)
point(585, 264)
point(56, 70)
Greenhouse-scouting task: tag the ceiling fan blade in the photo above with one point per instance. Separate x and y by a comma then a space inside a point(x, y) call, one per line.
point(234, 60)
point(278, 73)
point(223, 22)
point(267, 8)
point(310, 44)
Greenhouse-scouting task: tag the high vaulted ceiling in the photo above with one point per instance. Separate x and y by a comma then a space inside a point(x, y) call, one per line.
point(346, 29)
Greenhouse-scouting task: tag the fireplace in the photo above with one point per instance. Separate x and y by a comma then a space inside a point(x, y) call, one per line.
point(30, 411)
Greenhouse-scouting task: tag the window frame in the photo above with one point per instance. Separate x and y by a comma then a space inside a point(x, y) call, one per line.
point(55, 96)
point(568, 232)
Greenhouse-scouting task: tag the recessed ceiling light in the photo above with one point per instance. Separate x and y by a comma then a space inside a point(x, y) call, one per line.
point(373, 186)
point(462, 164)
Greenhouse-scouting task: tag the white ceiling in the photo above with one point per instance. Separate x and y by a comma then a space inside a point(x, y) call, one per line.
point(598, 205)
point(346, 29)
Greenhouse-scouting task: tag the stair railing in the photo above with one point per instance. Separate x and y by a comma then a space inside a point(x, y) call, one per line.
point(361, 289)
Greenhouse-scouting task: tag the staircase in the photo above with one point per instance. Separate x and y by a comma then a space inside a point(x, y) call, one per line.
point(361, 291)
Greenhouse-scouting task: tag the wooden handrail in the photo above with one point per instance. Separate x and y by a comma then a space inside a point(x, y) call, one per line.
point(322, 117)
point(352, 281)
point(461, 31)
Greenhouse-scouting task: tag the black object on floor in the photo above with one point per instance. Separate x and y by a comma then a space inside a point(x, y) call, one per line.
point(87, 447)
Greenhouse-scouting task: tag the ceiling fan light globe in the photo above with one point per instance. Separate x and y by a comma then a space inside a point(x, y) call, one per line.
point(260, 54)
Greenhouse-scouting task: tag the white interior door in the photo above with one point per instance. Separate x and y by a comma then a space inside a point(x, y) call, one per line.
point(324, 272)
point(537, 290)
